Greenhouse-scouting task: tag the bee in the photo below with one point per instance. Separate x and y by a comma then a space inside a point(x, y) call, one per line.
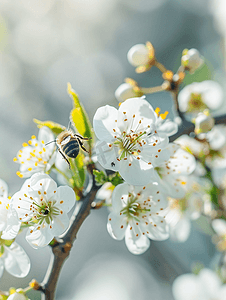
point(68, 144)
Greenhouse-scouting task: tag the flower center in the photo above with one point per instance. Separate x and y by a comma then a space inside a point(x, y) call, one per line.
point(196, 103)
point(135, 209)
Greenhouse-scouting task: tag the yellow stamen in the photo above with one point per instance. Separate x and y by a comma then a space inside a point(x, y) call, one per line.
point(163, 116)
point(157, 111)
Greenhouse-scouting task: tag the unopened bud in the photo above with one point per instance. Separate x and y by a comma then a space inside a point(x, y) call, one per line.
point(124, 91)
point(191, 60)
point(138, 55)
point(204, 122)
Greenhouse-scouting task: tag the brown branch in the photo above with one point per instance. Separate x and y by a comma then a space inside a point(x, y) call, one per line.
point(61, 249)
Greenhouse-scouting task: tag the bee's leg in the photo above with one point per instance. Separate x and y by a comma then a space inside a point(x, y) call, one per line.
point(82, 146)
point(65, 158)
point(78, 136)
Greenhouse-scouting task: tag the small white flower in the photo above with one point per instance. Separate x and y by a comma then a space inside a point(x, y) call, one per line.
point(204, 122)
point(173, 173)
point(14, 259)
point(138, 55)
point(198, 96)
point(191, 60)
point(34, 156)
point(219, 227)
point(129, 140)
point(44, 207)
point(204, 286)
point(138, 214)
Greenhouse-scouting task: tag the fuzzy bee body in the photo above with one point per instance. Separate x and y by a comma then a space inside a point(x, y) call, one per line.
point(71, 149)
point(69, 144)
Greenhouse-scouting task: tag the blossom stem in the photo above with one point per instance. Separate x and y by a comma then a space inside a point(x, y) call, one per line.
point(160, 66)
point(153, 90)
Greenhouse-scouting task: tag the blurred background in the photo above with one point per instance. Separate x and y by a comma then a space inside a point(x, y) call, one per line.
point(46, 43)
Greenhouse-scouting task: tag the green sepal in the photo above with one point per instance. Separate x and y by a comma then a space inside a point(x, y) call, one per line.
point(55, 127)
point(101, 178)
point(79, 117)
point(8, 243)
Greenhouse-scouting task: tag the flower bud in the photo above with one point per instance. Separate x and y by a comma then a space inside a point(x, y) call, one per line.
point(17, 295)
point(124, 91)
point(204, 122)
point(191, 60)
point(138, 55)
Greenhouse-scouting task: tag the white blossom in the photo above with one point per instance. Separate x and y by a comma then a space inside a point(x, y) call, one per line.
point(191, 60)
point(35, 156)
point(138, 214)
point(44, 207)
point(198, 96)
point(204, 286)
point(129, 140)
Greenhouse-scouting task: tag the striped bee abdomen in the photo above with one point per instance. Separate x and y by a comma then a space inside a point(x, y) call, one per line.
point(71, 149)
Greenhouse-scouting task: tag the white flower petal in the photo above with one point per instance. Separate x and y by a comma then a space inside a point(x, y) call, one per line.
point(120, 196)
point(138, 245)
point(3, 189)
point(219, 226)
point(140, 174)
point(213, 94)
point(60, 224)
point(181, 231)
point(187, 287)
point(46, 135)
point(66, 197)
point(168, 127)
point(160, 232)
point(13, 225)
point(221, 294)
point(116, 225)
point(210, 281)
point(141, 108)
point(106, 156)
point(104, 122)
point(17, 263)
point(39, 238)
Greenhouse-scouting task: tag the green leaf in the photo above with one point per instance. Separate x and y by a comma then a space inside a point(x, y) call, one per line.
point(79, 117)
point(55, 127)
point(78, 170)
point(101, 178)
